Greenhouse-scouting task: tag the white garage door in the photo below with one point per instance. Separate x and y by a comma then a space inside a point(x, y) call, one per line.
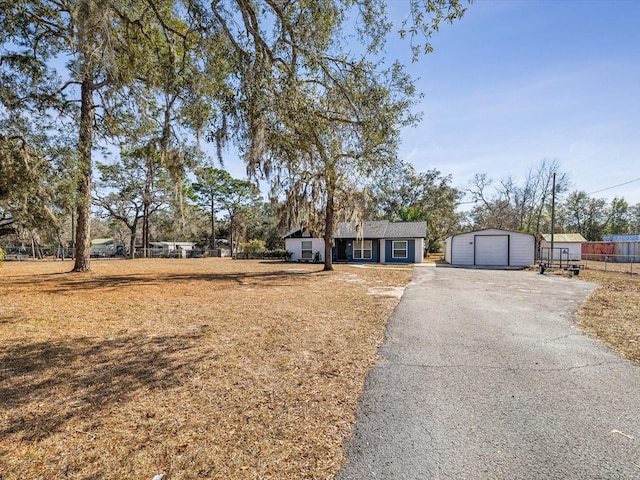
point(492, 249)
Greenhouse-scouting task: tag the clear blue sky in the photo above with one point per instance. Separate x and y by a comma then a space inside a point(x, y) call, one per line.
point(514, 82)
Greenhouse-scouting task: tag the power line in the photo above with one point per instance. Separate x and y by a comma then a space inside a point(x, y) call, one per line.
point(615, 186)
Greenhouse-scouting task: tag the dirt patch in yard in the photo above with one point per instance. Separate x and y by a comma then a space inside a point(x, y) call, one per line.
point(194, 368)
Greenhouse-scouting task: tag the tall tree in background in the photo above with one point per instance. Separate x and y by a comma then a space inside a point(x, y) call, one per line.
point(634, 218)
point(262, 64)
point(343, 132)
point(404, 194)
point(510, 205)
point(493, 207)
point(618, 221)
point(532, 199)
point(582, 214)
point(58, 58)
point(263, 225)
point(35, 185)
point(239, 202)
point(218, 191)
point(572, 213)
point(210, 186)
point(131, 190)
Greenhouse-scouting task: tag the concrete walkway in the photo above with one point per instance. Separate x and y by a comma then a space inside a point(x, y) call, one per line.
point(484, 376)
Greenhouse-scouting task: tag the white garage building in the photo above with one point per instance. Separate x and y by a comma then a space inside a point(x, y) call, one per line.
point(491, 247)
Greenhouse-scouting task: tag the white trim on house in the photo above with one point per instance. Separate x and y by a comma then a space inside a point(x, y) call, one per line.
point(306, 249)
point(364, 249)
point(395, 250)
point(419, 250)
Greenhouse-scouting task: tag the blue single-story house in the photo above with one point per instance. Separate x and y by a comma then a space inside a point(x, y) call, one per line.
point(379, 241)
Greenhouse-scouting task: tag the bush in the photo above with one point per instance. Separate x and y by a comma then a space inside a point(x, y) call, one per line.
point(3, 255)
point(254, 246)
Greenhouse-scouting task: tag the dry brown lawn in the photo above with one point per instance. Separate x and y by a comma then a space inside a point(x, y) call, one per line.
point(612, 312)
point(205, 368)
point(195, 368)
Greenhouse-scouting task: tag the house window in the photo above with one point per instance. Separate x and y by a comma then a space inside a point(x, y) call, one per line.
point(362, 250)
point(306, 249)
point(400, 249)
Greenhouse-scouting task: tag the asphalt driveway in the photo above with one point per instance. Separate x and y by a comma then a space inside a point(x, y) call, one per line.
point(483, 375)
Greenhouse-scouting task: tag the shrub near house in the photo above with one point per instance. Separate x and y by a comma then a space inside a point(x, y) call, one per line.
point(258, 249)
point(254, 246)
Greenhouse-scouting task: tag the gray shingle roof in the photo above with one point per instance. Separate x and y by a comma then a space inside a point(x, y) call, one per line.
point(382, 229)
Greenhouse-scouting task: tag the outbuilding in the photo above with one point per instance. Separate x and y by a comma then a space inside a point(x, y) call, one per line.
point(567, 247)
point(171, 249)
point(491, 247)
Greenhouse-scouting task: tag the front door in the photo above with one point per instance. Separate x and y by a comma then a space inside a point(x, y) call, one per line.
point(341, 245)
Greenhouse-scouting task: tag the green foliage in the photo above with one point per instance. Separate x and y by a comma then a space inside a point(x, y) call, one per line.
point(425, 19)
point(254, 246)
point(401, 193)
point(217, 190)
point(35, 184)
point(580, 213)
point(132, 189)
point(3, 255)
point(277, 78)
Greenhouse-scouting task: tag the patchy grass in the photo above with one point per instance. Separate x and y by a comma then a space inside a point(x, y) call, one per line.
point(612, 312)
point(195, 368)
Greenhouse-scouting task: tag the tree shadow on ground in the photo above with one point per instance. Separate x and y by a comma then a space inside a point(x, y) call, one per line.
point(66, 282)
point(45, 385)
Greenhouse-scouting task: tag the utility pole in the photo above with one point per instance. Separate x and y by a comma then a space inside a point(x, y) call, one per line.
point(553, 215)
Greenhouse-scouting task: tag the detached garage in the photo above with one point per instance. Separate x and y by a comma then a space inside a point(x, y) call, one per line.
point(491, 247)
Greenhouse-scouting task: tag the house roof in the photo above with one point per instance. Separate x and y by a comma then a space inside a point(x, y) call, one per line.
point(102, 241)
point(172, 244)
point(381, 229)
point(297, 232)
point(626, 237)
point(564, 237)
point(372, 229)
point(477, 232)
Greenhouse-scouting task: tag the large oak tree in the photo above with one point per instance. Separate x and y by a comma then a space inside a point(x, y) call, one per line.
point(279, 77)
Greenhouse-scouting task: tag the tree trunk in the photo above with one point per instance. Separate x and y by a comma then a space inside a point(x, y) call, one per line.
point(132, 240)
point(328, 230)
point(231, 236)
point(60, 253)
point(212, 240)
point(145, 230)
point(85, 142)
point(148, 187)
